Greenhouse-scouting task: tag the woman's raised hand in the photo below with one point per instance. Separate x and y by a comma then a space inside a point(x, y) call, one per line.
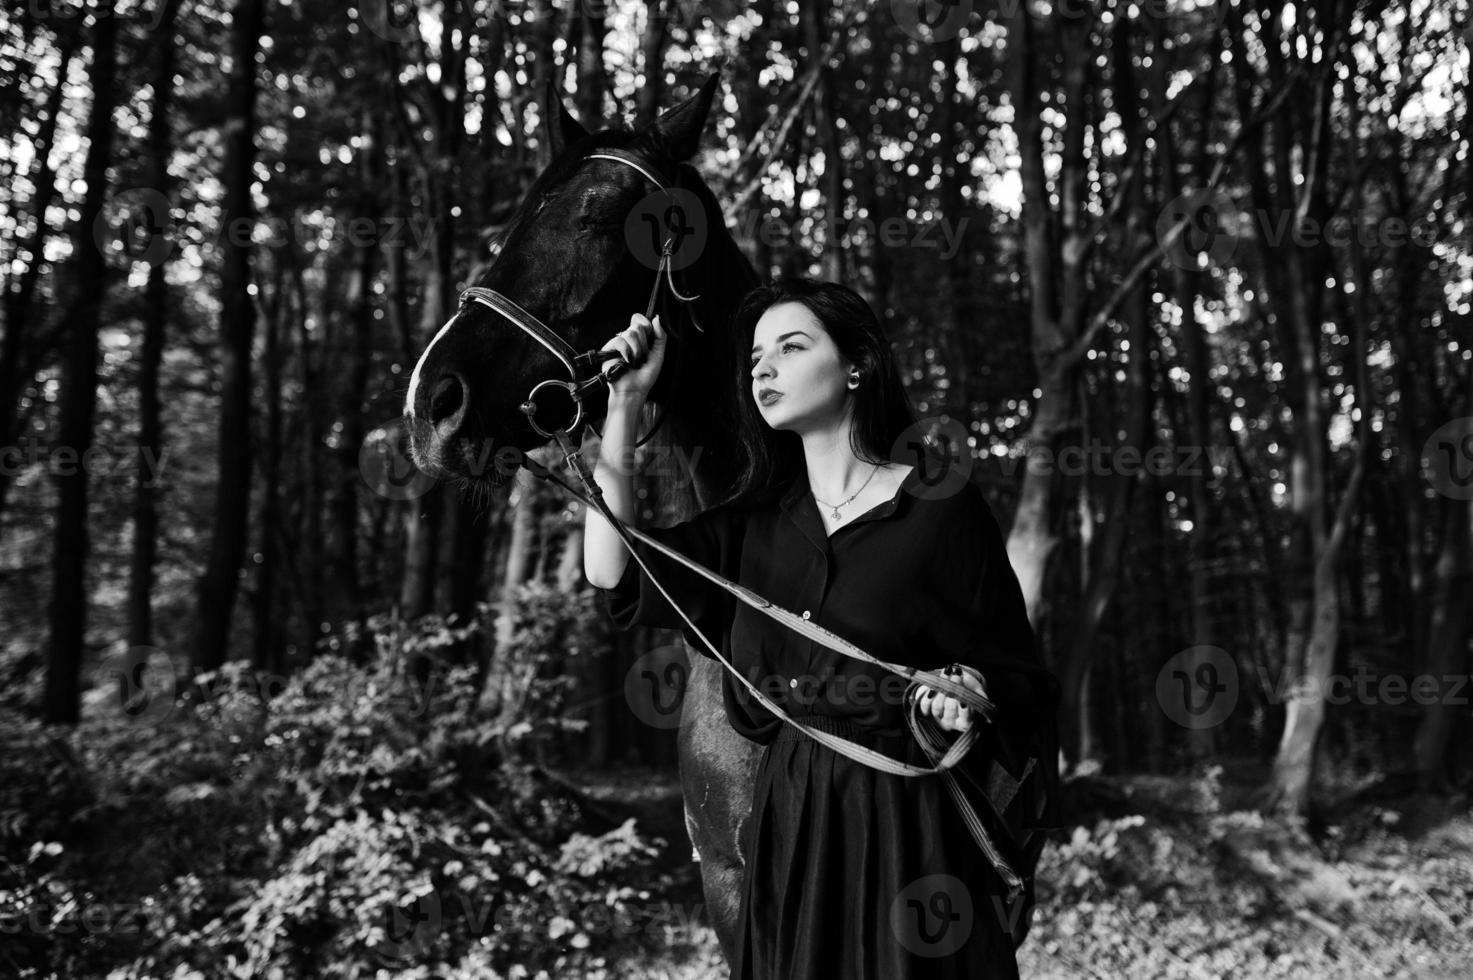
point(951, 714)
point(642, 345)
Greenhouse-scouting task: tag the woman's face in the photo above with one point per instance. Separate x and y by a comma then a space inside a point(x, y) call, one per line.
point(794, 355)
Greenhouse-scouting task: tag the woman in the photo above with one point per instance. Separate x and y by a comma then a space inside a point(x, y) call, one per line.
point(850, 872)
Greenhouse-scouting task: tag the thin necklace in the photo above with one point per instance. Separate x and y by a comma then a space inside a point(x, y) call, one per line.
point(851, 496)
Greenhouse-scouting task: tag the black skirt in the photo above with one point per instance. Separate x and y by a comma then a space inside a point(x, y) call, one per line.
point(856, 874)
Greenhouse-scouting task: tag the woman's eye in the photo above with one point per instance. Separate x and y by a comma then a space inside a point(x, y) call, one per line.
point(785, 348)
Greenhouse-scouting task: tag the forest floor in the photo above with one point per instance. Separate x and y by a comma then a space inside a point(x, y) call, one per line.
point(1177, 878)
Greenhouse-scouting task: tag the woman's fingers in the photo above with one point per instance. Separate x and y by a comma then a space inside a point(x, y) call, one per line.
point(949, 712)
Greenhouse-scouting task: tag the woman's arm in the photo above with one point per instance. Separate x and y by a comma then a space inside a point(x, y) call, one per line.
point(642, 346)
point(604, 553)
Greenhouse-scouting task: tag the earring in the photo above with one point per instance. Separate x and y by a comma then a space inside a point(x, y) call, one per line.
point(854, 379)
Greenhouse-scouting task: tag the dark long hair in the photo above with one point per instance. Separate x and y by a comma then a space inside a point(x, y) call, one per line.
point(771, 459)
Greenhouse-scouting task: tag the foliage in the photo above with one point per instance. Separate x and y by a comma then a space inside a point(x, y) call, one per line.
point(366, 816)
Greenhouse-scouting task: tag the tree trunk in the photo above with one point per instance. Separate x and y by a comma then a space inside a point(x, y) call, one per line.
point(814, 17)
point(18, 300)
point(652, 62)
point(68, 609)
point(1057, 260)
point(343, 591)
point(150, 356)
point(217, 587)
point(591, 83)
point(1315, 617)
point(1198, 741)
point(266, 654)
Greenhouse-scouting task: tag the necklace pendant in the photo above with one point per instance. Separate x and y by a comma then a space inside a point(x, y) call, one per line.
point(836, 513)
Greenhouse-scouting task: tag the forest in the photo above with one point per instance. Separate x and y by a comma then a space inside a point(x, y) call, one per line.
point(1184, 286)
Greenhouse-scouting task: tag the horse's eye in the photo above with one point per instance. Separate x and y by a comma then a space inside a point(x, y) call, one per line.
point(600, 219)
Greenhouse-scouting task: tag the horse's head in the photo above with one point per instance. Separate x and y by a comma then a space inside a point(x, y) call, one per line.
point(570, 257)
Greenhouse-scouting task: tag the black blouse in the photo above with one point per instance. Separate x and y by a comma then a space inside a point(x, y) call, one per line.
point(921, 579)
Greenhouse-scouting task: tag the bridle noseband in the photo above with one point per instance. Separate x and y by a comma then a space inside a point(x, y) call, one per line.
point(571, 360)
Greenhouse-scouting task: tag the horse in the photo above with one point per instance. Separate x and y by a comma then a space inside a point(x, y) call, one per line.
point(568, 260)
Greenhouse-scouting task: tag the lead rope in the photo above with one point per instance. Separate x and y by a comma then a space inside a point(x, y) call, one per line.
point(923, 729)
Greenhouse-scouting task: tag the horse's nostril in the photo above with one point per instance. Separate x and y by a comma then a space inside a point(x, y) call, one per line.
point(446, 399)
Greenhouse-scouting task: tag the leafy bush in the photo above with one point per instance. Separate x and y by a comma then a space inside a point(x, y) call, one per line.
point(364, 817)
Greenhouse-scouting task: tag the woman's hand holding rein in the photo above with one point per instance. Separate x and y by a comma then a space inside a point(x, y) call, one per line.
point(642, 346)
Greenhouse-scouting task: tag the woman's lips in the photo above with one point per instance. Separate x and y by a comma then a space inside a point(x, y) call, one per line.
point(767, 398)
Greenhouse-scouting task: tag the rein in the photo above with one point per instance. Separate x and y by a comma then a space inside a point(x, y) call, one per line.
point(926, 732)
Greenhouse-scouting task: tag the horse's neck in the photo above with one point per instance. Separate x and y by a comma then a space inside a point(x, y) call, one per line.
point(706, 441)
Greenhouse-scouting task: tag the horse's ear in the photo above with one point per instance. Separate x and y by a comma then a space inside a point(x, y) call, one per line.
point(679, 129)
point(562, 128)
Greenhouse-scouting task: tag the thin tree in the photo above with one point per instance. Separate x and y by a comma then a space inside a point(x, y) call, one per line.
point(68, 608)
point(151, 350)
point(220, 582)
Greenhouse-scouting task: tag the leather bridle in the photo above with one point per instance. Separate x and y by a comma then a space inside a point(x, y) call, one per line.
point(572, 361)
